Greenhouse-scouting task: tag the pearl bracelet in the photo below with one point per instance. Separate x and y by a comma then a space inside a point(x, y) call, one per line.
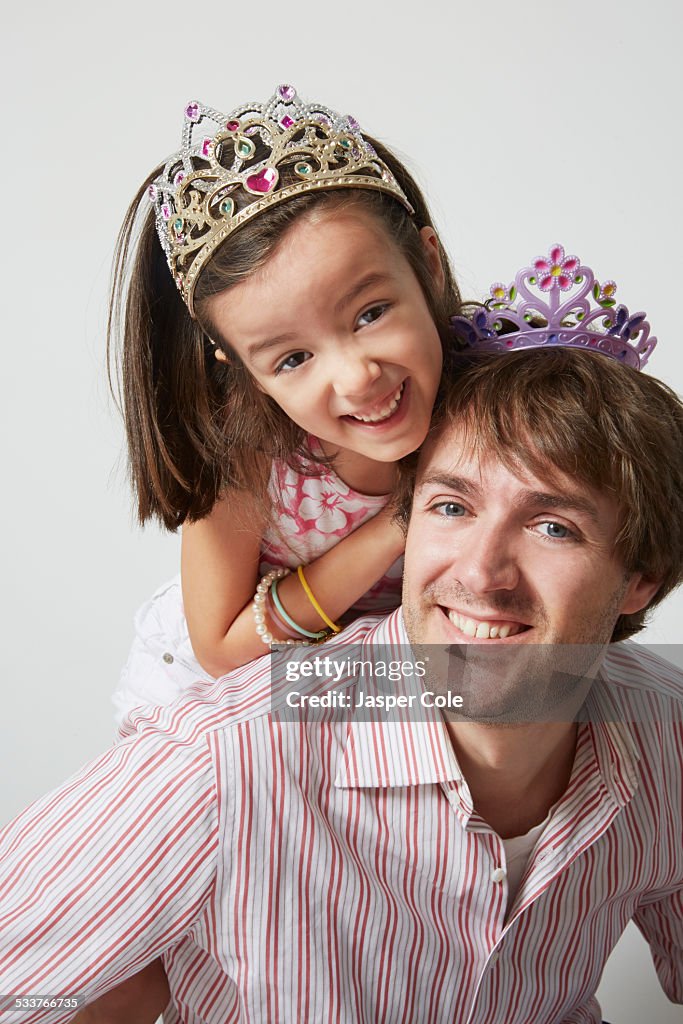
point(259, 607)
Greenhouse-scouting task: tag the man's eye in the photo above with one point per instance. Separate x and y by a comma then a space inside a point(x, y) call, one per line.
point(556, 531)
point(292, 361)
point(372, 314)
point(449, 509)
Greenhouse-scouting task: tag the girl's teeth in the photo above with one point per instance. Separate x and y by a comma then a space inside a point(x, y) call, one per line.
point(386, 412)
point(483, 630)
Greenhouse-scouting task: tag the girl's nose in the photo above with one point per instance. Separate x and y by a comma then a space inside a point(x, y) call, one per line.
point(354, 374)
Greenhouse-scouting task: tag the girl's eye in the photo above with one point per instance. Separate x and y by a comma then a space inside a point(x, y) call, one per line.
point(372, 314)
point(292, 361)
point(556, 531)
point(449, 509)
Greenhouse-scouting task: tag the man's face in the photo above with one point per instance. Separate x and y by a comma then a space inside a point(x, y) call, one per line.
point(498, 557)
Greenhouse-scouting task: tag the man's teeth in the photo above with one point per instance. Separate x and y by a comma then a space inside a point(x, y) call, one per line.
point(484, 630)
point(384, 413)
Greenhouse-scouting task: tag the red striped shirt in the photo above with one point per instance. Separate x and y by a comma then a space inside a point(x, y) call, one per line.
point(338, 871)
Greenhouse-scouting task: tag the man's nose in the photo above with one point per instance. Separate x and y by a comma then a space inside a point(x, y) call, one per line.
point(488, 561)
point(354, 372)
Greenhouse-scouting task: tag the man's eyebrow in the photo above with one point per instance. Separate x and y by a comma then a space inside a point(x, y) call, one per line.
point(445, 480)
point(559, 500)
point(556, 500)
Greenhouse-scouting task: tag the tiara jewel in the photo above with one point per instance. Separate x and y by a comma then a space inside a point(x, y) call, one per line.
point(231, 167)
point(567, 307)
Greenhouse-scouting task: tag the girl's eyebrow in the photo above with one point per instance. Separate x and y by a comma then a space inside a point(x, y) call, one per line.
point(369, 280)
point(262, 346)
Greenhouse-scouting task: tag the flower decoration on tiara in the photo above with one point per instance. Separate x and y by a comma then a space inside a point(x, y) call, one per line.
point(549, 306)
point(501, 294)
point(557, 271)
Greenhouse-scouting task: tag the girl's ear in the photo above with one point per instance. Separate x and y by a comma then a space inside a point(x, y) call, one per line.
point(430, 241)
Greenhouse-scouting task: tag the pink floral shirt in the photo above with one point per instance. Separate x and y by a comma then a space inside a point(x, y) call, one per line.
point(312, 513)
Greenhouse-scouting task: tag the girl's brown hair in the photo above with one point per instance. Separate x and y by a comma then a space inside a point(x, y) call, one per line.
point(196, 426)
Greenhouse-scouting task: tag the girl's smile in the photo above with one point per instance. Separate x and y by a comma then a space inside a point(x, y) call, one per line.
point(336, 329)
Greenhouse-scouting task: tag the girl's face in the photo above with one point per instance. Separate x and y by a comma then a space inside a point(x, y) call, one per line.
point(336, 329)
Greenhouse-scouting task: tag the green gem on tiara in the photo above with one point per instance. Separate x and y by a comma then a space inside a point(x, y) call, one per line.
point(303, 169)
point(532, 280)
point(345, 143)
point(178, 224)
point(227, 207)
point(245, 148)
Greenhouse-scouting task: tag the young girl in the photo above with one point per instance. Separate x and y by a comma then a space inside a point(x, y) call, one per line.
point(271, 382)
point(273, 379)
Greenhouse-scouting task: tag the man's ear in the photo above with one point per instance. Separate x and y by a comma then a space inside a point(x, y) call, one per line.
point(639, 592)
point(430, 241)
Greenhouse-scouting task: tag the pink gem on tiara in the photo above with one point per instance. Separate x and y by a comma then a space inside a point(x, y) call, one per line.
point(264, 181)
point(353, 124)
point(286, 92)
point(152, 193)
point(178, 178)
point(286, 121)
point(166, 211)
point(206, 147)
point(232, 126)
point(192, 111)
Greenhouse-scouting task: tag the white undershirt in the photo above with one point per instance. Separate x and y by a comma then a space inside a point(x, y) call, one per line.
point(517, 852)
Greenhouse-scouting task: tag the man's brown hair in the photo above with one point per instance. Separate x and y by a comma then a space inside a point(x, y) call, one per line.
point(583, 414)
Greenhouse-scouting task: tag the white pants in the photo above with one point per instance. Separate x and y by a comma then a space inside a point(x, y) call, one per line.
point(161, 664)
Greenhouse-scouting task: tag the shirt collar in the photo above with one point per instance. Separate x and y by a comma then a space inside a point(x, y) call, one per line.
point(412, 753)
point(396, 751)
point(615, 748)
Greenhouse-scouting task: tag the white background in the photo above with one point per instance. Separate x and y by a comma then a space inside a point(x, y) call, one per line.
point(527, 124)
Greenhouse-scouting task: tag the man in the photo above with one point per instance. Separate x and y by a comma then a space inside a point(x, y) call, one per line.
point(427, 870)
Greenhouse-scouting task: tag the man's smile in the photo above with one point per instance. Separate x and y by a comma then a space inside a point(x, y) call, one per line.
point(488, 628)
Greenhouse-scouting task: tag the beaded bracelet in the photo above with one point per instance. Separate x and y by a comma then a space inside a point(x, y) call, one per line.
point(259, 605)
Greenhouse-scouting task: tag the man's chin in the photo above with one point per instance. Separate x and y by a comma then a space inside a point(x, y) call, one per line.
point(506, 683)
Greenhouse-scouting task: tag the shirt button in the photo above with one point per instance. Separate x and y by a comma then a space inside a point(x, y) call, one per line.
point(497, 875)
point(168, 658)
point(494, 956)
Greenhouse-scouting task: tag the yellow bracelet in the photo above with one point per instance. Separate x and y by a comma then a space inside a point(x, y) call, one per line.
point(311, 597)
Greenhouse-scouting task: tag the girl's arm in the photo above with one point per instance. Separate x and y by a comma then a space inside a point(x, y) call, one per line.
point(219, 568)
point(139, 1000)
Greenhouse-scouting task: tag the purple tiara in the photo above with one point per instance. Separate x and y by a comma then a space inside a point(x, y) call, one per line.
point(558, 312)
